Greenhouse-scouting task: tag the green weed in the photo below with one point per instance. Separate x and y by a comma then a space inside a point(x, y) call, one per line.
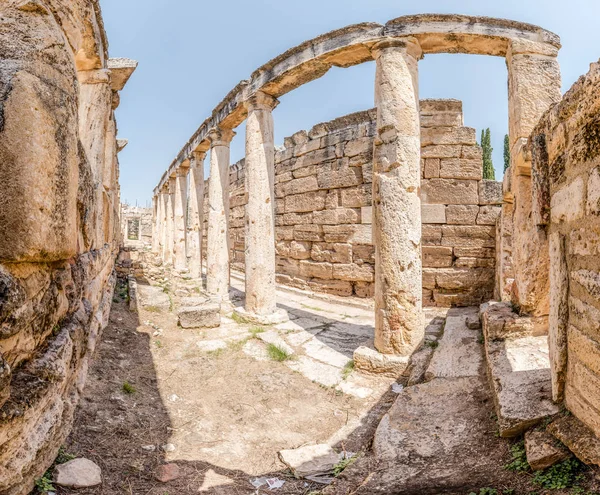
point(519, 458)
point(276, 353)
point(128, 388)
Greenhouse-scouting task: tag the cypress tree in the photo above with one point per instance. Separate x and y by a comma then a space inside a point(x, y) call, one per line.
point(486, 146)
point(506, 152)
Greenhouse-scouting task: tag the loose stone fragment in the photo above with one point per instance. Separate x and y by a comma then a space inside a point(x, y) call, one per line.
point(543, 450)
point(207, 315)
point(78, 473)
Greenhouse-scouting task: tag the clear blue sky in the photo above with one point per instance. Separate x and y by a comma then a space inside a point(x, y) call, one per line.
point(192, 52)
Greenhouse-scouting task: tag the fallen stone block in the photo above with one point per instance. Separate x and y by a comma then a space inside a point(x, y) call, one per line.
point(311, 460)
point(207, 315)
point(578, 438)
point(543, 450)
point(78, 473)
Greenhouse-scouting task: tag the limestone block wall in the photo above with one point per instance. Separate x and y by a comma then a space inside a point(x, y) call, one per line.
point(323, 182)
point(565, 148)
point(136, 226)
point(59, 227)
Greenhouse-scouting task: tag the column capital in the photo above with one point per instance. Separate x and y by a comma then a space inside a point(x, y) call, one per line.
point(261, 101)
point(408, 44)
point(197, 157)
point(220, 137)
point(182, 171)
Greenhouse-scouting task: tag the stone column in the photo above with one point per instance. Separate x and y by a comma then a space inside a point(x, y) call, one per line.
point(260, 210)
point(396, 199)
point(163, 222)
point(179, 220)
point(533, 86)
point(169, 223)
point(155, 208)
point(196, 218)
point(217, 254)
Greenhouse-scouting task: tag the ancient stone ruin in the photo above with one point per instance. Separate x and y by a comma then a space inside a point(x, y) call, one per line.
point(384, 210)
point(59, 220)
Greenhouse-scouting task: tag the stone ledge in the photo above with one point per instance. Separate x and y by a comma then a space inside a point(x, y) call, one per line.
point(279, 316)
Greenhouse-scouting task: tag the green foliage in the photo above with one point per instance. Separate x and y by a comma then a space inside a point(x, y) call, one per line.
point(506, 152)
point(519, 458)
point(44, 484)
point(63, 456)
point(434, 344)
point(343, 464)
point(276, 353)
point(486, 146)
point(128, 388)
point(562, 475)
point(238, 319)
point(485, 491)
point(348, 369)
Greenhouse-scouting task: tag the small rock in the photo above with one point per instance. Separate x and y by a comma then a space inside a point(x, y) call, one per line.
point(543, 450)
point(578, 438)
point(167, 472)
point(168, 447)
point(473, 322)
point(150, 448)
point(78, 473)
point(310, 460)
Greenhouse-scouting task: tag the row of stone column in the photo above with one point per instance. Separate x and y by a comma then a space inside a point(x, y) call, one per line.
point(178, 230)
point(396, 197)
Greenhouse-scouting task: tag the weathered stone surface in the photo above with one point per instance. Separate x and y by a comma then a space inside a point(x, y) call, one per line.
point(519, 370)
point(167, 472)
point(207, 315)
point(459, 353)
point(371, 361)
point(78, 473)
point(490, 192)
point(542, 450)
point(450, 191)
point(462, 214)
point(578, 438)
point(501, 322)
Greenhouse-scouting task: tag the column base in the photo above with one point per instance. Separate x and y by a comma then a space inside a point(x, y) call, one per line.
point(369, 360)
point(279, 316)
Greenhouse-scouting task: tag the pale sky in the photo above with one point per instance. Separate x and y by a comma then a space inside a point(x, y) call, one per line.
point(191, 53)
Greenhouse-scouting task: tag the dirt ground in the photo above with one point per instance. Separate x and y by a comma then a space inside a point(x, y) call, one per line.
point(226, 414)
point(155, 396)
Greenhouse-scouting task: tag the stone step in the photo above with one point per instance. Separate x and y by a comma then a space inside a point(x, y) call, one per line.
point(519, 373)
point(500, 321)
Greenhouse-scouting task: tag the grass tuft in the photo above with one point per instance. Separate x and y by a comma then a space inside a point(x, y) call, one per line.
point(276, 353)
point(128, 388)
point(254, 331)
point(348, 369)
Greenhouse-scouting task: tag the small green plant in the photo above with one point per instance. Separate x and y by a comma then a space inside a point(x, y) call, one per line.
point(343, 464)
point(158, 344)
point(254, 331)
point(481, 339)
point(238, 318)
point(565, 474)
point(128, 388)
point(44, 484)
point(519, 458)
point(434, 344)
point(348, 369)
point(277, 353)
point(63, 456)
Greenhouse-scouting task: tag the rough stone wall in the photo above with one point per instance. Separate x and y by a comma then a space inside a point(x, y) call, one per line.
point(59, 226)
point(132, 217)
point(323, 182)
point(565, 147)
